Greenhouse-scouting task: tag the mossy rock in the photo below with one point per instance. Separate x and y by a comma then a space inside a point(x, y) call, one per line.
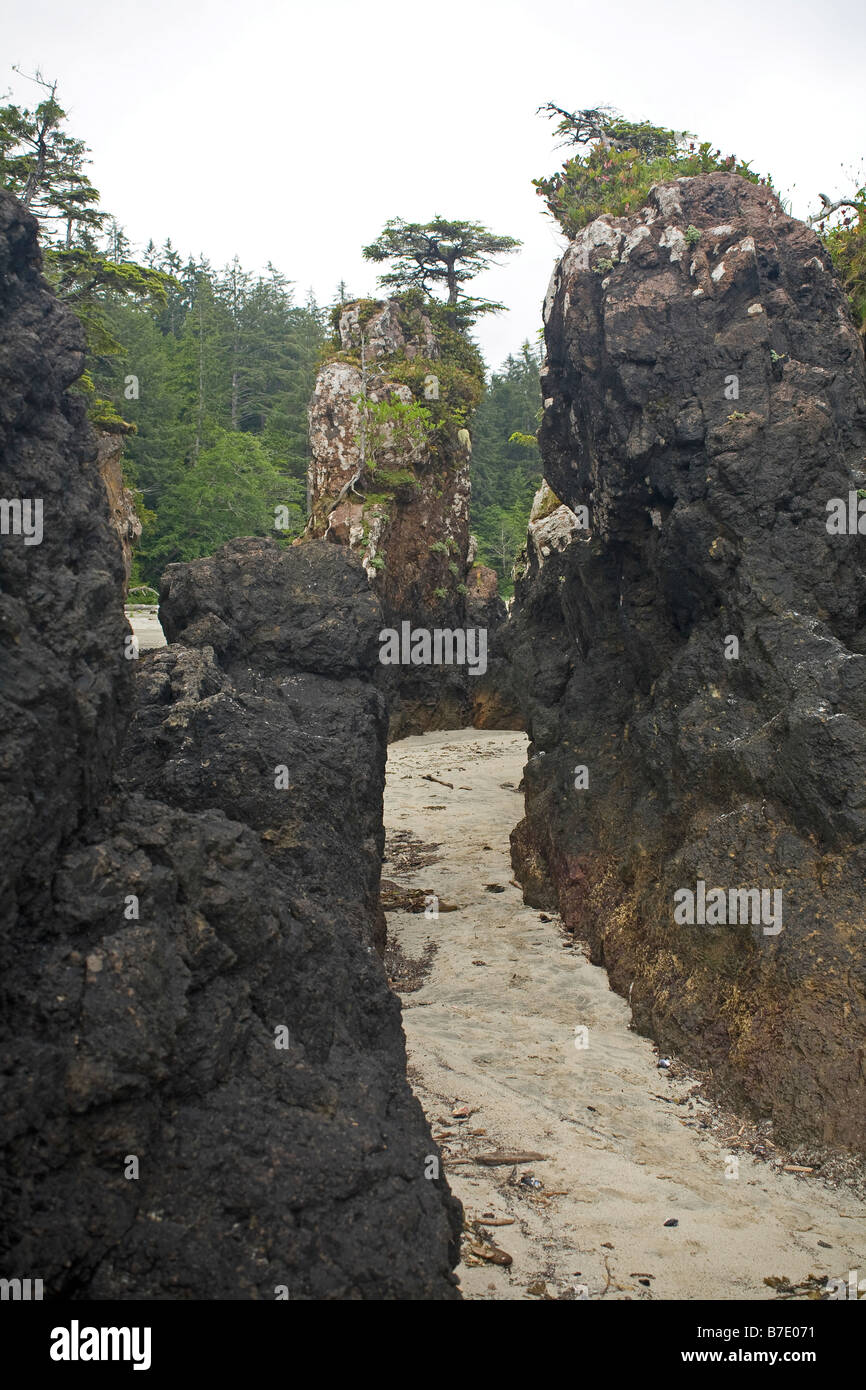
point(544, 503)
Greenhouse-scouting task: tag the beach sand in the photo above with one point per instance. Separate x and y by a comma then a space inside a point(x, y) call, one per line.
point(492, 1027)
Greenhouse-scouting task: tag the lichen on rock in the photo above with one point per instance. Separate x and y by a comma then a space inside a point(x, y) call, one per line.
point(390, 478)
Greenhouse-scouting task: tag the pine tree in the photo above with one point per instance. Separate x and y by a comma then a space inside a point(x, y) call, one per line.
point(44, 167)
point(441, 254)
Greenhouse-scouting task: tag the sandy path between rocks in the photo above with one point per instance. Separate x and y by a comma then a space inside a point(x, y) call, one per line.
point(145, 623)
point(499, 1037)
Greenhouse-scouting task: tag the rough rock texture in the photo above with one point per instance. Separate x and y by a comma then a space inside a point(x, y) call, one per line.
point(494, 702)
point(403, 505)
point(204, 1087)
point(551, 529)
point(276, 650)
point(707, 520)
point(64, 683)
point(121, 501)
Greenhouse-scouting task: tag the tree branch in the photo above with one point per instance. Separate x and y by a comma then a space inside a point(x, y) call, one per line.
point(829, 208)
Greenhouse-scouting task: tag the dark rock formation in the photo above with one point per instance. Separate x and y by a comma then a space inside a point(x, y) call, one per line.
point(64, 684)
point(204, 1074)
point(704, 401)
point(402, 502)
point(274, 671)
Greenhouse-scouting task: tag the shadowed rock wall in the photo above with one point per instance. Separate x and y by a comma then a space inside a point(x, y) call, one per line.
point(704, 401)
point(204, 1075)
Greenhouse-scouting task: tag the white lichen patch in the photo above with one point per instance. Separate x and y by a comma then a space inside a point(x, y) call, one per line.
point(634, 239)
point(599, 233)
point(672, 237)
point(667, 200)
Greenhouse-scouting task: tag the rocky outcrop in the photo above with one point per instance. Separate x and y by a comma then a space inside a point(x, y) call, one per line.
point(693, 663)
point(121, 502)
point(389, 479)
point(494, 703)
point(205, 1089)
point(551, 529)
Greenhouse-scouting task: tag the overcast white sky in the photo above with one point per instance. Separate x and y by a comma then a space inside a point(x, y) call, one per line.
point(290, 132)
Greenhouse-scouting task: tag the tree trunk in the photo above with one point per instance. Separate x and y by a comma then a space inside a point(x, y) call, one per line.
point(452, 285)
point(32, 185)
point(452, 290)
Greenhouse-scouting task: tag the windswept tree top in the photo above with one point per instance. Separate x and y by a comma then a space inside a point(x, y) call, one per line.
point(619, 163)
point(440, 254)
point(44, 167)
point(604, 125)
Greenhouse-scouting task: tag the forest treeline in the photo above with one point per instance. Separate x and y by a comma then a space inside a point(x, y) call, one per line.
point(215, 381)
point(209, 372)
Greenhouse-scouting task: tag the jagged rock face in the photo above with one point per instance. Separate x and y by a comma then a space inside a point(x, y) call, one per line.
point(386, 333)
point(403, 506)
point(121, 501)
point(261, 1167)
point(64, 683)
point(704, 399)
point(205, 1089)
